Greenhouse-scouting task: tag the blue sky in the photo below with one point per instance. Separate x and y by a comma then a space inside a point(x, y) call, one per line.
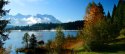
point(63, 10)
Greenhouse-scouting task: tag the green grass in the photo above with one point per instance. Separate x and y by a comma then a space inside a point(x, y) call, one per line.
point(120, 52)
point(121, 36)
point(80, 48)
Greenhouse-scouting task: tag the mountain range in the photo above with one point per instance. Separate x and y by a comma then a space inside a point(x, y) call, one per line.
point(23, 20)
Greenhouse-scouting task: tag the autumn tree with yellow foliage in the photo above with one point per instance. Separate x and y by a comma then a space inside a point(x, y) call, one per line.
point(95, 31)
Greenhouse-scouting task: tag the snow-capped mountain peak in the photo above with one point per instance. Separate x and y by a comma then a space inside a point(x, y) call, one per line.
point(22, 20)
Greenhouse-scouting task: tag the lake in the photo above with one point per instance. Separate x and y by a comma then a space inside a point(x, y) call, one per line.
point(15, 37)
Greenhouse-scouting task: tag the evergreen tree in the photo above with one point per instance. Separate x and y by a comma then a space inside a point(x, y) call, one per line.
point(108, 17)
point(59, 35)
point(59, 39)
point(118, 17)
point(3, 23)
point(33, 41)
point(101, 7)
point(114, 11)
point(26, 40)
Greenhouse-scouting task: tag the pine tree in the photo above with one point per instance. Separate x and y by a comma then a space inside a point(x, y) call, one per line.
point(26, 40)
point(101, 7)
point(33, 41)
point(108, 17)
point(118, 17)
point(3, 23)
point(114, 11)
point(59, 39)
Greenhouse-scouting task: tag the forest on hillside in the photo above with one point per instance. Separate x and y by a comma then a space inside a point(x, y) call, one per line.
point(76, 25)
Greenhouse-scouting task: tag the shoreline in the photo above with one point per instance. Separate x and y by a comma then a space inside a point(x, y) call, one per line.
point(42, 30)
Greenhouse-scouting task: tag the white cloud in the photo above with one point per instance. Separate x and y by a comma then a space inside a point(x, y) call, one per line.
point(32, 20)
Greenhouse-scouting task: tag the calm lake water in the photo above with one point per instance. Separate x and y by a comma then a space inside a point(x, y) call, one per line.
point(15, 40)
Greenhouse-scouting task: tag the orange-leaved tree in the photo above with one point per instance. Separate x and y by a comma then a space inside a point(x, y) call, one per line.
point(95, 31)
